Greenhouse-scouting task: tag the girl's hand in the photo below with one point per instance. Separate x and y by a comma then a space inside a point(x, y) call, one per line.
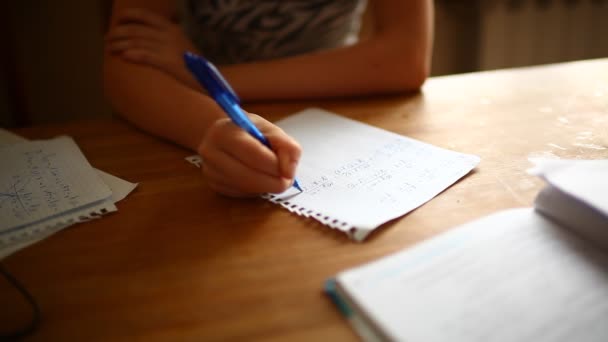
point(143, 37)
point(236, 164)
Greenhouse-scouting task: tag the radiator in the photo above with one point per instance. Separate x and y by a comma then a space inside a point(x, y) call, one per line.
point(528, 32)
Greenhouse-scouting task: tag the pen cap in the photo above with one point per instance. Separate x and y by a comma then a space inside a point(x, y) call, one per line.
point(209, 76)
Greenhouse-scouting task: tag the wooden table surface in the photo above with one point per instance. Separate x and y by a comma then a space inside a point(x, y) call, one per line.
point(177, 262)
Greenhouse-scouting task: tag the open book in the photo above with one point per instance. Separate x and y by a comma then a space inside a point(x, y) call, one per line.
point(517, 275)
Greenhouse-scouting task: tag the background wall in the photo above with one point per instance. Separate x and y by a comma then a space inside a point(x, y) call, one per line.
point(56, 62)
point(476, 35)
point(51, 67)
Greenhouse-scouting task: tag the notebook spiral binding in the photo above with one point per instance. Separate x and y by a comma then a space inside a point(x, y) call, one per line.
point(319, 216)
point(21, 235)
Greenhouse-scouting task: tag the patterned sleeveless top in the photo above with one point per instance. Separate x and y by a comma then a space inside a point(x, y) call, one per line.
point(236, 31)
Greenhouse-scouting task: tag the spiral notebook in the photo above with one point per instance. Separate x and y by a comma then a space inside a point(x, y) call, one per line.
point(356, 177)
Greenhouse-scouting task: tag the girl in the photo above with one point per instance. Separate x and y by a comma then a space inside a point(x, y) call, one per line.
point(266, 49)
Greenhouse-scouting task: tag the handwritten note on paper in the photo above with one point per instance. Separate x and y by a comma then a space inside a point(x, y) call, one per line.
point(120, 188)
point(356, 177)
point(44, 179)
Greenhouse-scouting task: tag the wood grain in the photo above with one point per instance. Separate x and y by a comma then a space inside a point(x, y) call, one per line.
point(177, 262)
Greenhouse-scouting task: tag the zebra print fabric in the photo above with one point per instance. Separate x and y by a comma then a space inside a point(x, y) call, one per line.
point(236, 31)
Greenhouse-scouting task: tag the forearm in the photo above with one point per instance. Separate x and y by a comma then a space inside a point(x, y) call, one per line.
point(366, 68)
point(157, 102)
point(395, 58)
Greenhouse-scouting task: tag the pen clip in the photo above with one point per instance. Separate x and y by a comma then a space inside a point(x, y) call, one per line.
point(209, 76)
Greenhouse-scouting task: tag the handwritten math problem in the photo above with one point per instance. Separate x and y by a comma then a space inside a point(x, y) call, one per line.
point(43, 179)
point(39, 185)
point(394, 171)
point(356, 177)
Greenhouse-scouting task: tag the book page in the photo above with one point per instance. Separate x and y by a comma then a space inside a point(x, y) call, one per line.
point(511, 276)
point(356, 177)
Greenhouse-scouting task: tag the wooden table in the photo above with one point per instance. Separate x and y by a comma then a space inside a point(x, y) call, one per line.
point(178, 262)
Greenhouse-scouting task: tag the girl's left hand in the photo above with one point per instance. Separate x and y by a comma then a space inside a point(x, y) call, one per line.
point(143, 37)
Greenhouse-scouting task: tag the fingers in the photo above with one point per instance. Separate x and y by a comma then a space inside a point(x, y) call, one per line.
point(134, 36)
point(133, 32)
point(123, 45)
point(288, 152)
point(142, 16)
point(146, 38)
point(236, 164)
point(233, 141)
point(285, 147)
point(144, 56)
point(138, 29)
point(234, 178)
point(138, 48)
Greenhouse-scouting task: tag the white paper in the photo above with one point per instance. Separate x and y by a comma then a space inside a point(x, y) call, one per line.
point(9, 138)
point(511, 276)
point(576, 196)
point(356, 177)
point(44, 179)
point(16, 239)
point(585, 180)
point(120, 187)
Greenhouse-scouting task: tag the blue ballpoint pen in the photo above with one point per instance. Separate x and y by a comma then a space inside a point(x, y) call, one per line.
point(217, 87)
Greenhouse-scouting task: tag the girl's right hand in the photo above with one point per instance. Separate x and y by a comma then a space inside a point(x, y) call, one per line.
point(237, 165)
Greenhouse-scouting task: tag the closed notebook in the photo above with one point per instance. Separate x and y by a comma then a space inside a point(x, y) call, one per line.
point(529, 274)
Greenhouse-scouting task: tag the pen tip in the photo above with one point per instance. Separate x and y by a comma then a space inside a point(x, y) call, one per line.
point(297, 185)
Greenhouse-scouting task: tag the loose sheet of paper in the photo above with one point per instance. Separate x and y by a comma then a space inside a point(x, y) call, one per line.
point(356, 177)
point(120, 187)
point(43, 179)
point(511, 276)
point(16, 238)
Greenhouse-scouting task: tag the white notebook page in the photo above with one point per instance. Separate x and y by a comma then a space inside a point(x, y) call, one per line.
point(356, 177)
point(512, 276)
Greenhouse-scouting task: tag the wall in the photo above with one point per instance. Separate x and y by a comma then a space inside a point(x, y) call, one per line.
point(476, 35)
point(520, 33)
point(58, 47)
